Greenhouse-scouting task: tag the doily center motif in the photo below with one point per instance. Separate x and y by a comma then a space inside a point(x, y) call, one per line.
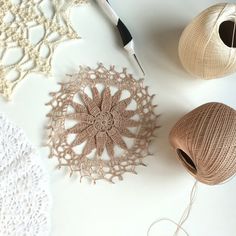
point(110, 132)
point(103, 122)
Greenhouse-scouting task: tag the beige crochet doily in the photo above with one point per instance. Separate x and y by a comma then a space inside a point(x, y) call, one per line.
point(101, 123)
point(29, 33)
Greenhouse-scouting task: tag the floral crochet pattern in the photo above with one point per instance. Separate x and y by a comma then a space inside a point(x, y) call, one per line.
point(20, 52)
point(102, 122)
point(97, 131)
point(25, 201)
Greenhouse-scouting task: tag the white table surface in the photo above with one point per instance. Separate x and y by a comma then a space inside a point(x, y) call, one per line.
point(162, 189)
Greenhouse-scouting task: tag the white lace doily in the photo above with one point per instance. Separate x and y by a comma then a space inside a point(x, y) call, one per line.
point(24, 195)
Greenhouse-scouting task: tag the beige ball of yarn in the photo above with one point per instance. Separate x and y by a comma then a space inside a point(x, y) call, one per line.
point(205, 141)
point(207, 46)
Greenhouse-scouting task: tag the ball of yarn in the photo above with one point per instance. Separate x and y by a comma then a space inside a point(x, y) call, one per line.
point(205, 141)
point(207, 46)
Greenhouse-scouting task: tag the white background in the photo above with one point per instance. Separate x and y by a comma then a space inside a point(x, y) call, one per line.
point(161, 189)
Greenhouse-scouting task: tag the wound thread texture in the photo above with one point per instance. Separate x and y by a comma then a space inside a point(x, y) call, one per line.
point(205, 141)
point(207, 45)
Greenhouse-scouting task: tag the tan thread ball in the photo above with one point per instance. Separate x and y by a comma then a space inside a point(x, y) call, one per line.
point(207, 46)
point(205, 141)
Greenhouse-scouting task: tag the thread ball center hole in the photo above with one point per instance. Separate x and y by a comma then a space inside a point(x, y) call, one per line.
point(227, 32)
point(187, 161)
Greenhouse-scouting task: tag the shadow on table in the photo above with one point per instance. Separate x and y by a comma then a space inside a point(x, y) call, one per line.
point(165, 164)
point(162, 51)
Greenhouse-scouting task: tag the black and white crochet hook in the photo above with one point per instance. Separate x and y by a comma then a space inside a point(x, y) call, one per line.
point(126, 36)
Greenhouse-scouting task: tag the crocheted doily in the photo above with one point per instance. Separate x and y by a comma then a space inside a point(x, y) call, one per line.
point(24, 194)
point(101, 123)
point(29, 33)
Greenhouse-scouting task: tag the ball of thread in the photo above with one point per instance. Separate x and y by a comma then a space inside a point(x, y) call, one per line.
point(207, 46)
point(205, 142)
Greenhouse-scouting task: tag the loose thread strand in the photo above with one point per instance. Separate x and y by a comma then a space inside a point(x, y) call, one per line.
point(184, 216)
point(232, 46)
point(188, 209)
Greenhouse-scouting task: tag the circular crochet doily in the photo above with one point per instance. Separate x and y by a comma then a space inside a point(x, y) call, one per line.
point(24, 194)
point(101, 123)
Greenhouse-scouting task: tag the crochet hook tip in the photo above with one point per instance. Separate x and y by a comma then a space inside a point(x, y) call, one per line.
point(136, 59)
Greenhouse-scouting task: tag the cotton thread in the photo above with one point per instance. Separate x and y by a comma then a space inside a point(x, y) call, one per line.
point(202, 49)
point(205, 141)
point(184, 216)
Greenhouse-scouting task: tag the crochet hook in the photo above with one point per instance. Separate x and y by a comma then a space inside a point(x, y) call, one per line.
point(126, 36)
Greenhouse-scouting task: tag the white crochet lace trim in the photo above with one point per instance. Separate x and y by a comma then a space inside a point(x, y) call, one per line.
point(24, 195)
